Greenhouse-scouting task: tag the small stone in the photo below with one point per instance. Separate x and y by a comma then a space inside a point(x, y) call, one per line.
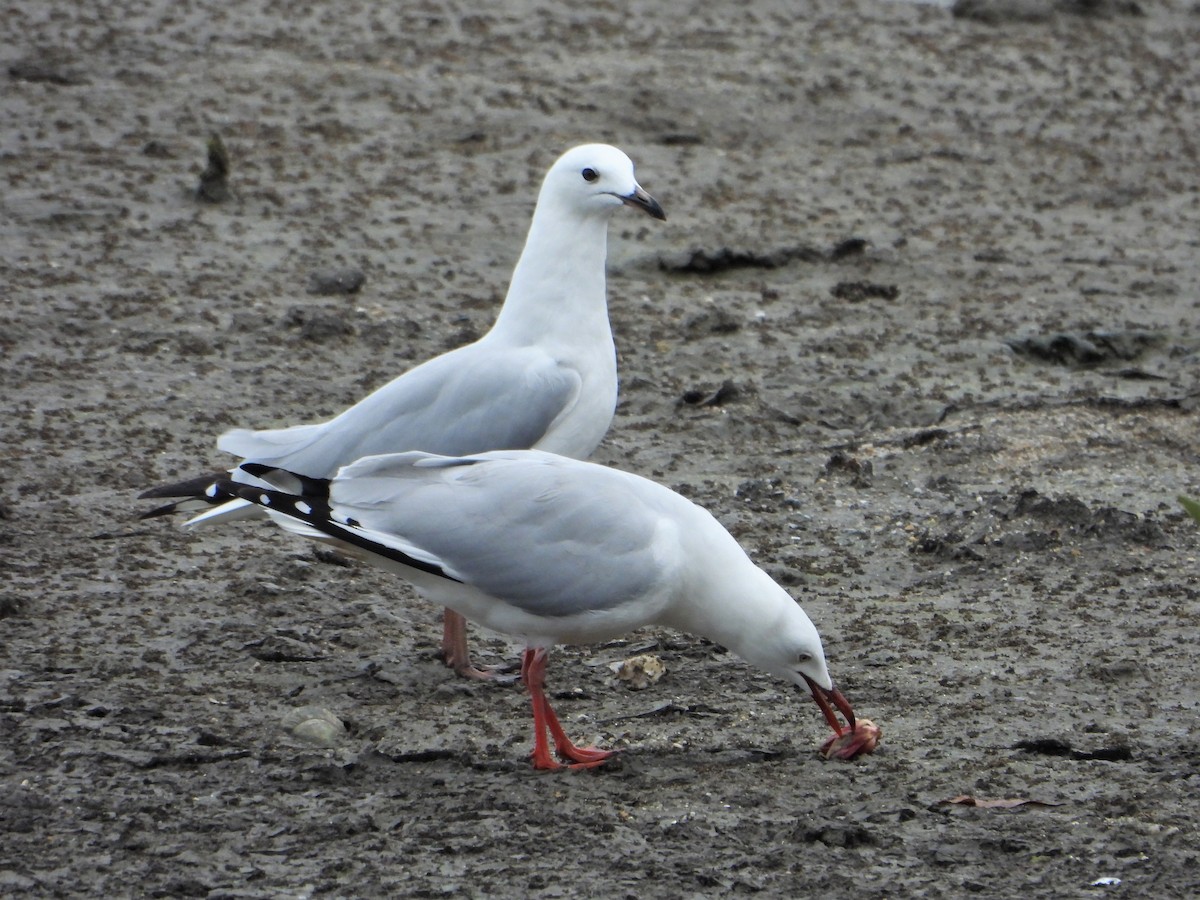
point(316, 725)
point(213, 186)
point(318, 325)
point(336, 281)
point(47, 67)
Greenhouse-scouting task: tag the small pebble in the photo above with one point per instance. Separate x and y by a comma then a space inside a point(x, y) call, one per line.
point(316, 725)
point(336, 281)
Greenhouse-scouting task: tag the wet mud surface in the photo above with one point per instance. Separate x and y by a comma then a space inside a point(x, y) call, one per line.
point(920, 330)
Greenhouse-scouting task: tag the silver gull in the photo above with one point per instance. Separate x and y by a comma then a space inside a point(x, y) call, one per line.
point(553, 550)
point(544, 376)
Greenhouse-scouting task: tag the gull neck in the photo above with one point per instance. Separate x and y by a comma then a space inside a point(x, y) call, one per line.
point(558, 285)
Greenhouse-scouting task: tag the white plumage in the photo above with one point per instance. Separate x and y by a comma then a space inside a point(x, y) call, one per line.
point(554, 550)
point(543, 377)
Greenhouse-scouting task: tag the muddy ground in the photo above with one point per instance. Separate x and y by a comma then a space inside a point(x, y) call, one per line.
point(921, 330)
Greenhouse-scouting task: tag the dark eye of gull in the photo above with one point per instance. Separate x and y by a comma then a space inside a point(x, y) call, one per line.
point(590, 175)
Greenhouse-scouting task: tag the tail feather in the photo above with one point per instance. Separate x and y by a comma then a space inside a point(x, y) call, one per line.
point(233, 510)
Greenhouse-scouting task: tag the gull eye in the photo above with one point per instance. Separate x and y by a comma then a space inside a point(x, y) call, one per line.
point(802, 658)
point(590, 175)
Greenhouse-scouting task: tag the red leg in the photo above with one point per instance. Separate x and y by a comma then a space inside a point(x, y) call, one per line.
point(541, 747)
point(456, 655)
point(533, 673)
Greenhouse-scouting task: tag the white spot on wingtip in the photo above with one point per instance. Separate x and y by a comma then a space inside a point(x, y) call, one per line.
point(210, 491)
point(264, 499)
point(304, 508)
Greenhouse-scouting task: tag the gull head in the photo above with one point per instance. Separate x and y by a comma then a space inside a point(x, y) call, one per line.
point(596, 179)
point(788, 646)
point(801, 659)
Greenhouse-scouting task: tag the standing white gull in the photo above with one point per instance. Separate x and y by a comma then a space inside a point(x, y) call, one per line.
point(553, 550)
point(544, 376)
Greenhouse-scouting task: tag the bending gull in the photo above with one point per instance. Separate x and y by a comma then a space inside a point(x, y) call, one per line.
point(544, 376)
point(553, 550)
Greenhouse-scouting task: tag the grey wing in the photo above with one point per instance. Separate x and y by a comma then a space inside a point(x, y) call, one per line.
point(467, 401)
point(547, 535)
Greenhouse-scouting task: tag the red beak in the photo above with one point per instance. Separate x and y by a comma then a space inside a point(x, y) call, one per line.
point(824, 698)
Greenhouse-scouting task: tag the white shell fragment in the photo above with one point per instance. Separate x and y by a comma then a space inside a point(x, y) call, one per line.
point(639, 672)
point(316, 725)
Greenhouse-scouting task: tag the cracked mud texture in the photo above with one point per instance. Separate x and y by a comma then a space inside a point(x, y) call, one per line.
point(930, 283)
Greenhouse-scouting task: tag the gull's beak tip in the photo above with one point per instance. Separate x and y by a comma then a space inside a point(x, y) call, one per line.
point(640, 199)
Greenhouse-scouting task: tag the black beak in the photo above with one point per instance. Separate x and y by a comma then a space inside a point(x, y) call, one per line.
point(824, 698)
point(639, 199)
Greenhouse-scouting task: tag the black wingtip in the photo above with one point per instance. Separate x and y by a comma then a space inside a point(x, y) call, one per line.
point(292, 482)
point(313, 507)
point(158, 510)
point(234, 489)
point(193, 487)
